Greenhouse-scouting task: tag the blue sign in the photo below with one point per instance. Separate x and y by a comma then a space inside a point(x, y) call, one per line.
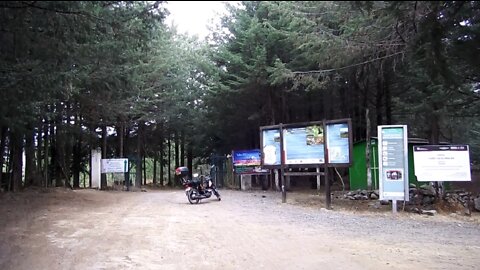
point(247, 158)
point(248, 162)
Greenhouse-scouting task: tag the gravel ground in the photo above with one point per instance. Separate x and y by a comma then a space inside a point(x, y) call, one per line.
point(159, 229)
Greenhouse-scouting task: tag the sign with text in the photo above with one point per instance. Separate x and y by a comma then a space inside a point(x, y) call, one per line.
point(393, 165)
point(115, 165)
point(247, 162)
point(442, 163)
point(339, 142)
point(304, 145)
point(271, 147)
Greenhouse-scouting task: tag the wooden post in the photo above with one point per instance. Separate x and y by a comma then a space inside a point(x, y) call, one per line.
point(282, 166)
point(328, 198)
point(318, 178)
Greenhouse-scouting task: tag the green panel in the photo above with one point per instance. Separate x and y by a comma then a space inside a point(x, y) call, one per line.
point(358, 171)
point(412, 179)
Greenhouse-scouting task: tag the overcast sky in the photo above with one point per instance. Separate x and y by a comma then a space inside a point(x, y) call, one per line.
point(193, 17)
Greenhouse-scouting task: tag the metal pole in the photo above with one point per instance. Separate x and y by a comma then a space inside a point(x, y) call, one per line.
point(125, 169)
point(318, 178)
point(394, 207)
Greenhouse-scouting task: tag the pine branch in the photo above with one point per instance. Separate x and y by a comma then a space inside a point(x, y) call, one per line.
point(346, 67)
point(32, 5)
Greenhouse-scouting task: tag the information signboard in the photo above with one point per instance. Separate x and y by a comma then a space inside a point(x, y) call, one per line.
point(393, 165)
point(304, 145)
point(435, 163)
point(271, 147)
point(115, 165)
point(339, 142)
point(247, 162)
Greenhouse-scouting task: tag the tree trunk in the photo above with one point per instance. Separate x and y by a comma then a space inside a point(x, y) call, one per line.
point(271, 108)
point(144, 170)
point(154, 169)
point(182, 148)
point(138, 178)
point(357, 124)
point(77, 154)
point(68, 148)
point(17, 151)
point(190, 158)
point(177, 148)
point(39, 164)
point(46, 155)
point(285, 115)
point(53, 152)
point(169, 163)
point(388, 100)
point(379, 101)
point(30, 168)
point(434, 138)
point(3, 143)
point(120, 135)
point(59, 147)
point(103, 178)
point(161, 161)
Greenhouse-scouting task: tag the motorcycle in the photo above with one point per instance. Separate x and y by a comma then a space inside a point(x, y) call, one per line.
point(198, 188)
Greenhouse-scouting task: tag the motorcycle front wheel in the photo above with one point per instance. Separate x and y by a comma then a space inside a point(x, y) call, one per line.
point(190, 195)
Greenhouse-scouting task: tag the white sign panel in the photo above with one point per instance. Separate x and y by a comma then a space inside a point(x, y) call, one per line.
point(442, 163)
point(393, 165)
point(114, 165)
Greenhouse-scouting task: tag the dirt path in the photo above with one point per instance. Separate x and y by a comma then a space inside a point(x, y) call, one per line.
point(90, 229)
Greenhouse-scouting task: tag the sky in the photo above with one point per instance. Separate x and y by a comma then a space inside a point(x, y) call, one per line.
point(193, 16)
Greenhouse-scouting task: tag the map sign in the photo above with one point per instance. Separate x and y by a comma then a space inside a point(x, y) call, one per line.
point(442, 163)
point(304, 145)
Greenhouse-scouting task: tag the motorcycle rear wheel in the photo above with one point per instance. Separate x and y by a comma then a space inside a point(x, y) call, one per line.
point(190, 195)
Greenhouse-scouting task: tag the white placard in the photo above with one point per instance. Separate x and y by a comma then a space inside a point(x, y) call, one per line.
point(115, 165)
point(96, 168)
point(393, 165)
point(435, 163)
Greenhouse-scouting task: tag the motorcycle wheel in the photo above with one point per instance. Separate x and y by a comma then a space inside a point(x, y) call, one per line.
point(191, 200)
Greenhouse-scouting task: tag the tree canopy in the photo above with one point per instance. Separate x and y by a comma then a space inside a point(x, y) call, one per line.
point(80, 75)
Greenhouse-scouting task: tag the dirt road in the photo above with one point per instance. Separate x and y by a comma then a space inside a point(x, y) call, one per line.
point(89, 229)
